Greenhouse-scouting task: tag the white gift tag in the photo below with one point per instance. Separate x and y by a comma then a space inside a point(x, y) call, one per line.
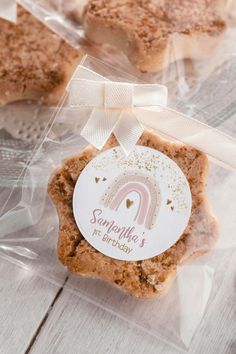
point(132, 207)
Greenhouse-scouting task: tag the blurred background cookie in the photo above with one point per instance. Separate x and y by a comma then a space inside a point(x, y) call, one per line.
point(155, 33)
point(35, 63)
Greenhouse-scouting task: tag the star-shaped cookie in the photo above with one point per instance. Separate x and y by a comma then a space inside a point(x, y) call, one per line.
point(155, 33)
point(35, 63)
point(147, 278)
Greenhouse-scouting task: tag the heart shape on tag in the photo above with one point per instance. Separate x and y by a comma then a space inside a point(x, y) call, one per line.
point(129, 203)
point(97, 179)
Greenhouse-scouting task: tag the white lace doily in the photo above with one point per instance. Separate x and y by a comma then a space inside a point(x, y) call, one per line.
point(21, 126)
point(25, 121)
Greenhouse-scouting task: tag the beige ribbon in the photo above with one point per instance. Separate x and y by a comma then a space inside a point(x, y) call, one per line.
point(218, 145)
point(8, 10)
point(114, 107)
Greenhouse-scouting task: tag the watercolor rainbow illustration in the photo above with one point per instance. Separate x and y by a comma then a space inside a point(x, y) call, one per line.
point(147, 190)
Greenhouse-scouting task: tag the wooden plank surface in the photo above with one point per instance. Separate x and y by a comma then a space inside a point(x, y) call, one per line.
point(24, 302)
point(75, 326)
point(37, 317)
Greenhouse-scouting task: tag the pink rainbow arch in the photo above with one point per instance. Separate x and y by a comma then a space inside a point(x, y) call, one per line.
point(143, 199)
point(147, 190)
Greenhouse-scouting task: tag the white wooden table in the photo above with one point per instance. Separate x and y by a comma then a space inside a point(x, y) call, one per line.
point(38, 317)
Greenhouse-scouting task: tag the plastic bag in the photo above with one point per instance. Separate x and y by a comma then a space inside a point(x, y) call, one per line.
point(29, 222)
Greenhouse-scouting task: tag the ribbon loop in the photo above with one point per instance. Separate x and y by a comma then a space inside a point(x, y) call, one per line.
point(115, 107)
point(100, 126)
point(127, 131)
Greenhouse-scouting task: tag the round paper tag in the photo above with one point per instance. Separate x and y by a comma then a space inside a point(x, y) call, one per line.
point(132, 208)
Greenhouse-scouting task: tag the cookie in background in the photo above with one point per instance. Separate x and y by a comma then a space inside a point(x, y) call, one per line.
point(154, 34)
point(35, 63)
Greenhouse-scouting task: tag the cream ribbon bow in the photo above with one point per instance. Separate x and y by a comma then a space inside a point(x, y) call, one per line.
point(115, 107)
point(8, 10)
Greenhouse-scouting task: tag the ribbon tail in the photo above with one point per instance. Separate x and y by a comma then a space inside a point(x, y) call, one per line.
point(8, 10)
point(100, 125)
point(128, 131)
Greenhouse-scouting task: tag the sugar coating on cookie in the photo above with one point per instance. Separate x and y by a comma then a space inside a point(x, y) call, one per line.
point(35, 63)
point(155, 33)
point(147, 278)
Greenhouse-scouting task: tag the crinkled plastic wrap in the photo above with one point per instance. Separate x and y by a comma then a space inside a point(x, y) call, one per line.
point(29, 221)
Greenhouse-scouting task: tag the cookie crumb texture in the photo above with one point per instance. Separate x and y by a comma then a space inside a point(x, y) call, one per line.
point(147, 278)
point(155, 33)
point(35, 63)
